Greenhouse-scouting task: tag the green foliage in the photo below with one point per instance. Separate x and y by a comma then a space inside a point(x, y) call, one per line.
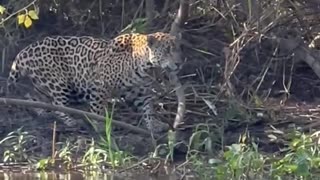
point(107, 150)
point(136, 26)
point(241, 161)
point(2, 10)
point(65, 154)
point(244, 161)
point(93, 157)
point(202, 139)
point(167, 149)
point(27, 17)
point(43, 164)
point(238, 161)
point(16, 143)
point(302, 157)
point(24, 16)
point(108, 129)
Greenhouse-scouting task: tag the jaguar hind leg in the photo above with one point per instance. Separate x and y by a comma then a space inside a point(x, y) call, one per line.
point(99, 96)
point(97, 103)
point(59, 93)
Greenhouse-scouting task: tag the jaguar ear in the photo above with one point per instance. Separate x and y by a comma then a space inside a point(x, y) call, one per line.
point(151, 41)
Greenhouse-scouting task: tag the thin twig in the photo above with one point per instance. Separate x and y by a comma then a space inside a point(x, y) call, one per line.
point(53, 141)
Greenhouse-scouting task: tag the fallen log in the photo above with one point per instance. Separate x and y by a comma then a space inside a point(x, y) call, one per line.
point(37, 104)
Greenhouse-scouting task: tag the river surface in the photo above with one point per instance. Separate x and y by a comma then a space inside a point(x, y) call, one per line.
point(80, 176)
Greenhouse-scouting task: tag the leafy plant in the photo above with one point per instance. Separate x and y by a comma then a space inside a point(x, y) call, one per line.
point(166, 149)
point(106, 148)
point(136, 26)
point(116, 157)
point(16, 143)
point(65, 154)
point(2, 10)
point(25, 16)
point(241, 161)
point(301, 158)
point(43, 164)
point(93, 157)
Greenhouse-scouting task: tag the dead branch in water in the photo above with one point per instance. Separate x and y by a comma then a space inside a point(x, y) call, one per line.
point(35, 104)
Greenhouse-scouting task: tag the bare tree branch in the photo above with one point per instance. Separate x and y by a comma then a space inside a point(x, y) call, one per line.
point(150, 9)
point(165, 7)
point(181, 100)
point(35, 104)
point(301, 52)
point(176, 26)
point(181, 17)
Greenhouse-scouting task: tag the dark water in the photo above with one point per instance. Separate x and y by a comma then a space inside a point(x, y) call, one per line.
point(80, 176)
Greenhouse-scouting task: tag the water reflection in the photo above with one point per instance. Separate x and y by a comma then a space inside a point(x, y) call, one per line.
point(80, 176)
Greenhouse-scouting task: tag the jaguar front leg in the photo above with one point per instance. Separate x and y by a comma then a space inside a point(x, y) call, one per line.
point(153, 124)
point(144, 102)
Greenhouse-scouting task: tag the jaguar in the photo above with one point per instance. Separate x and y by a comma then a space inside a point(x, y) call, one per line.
point(93, 70)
